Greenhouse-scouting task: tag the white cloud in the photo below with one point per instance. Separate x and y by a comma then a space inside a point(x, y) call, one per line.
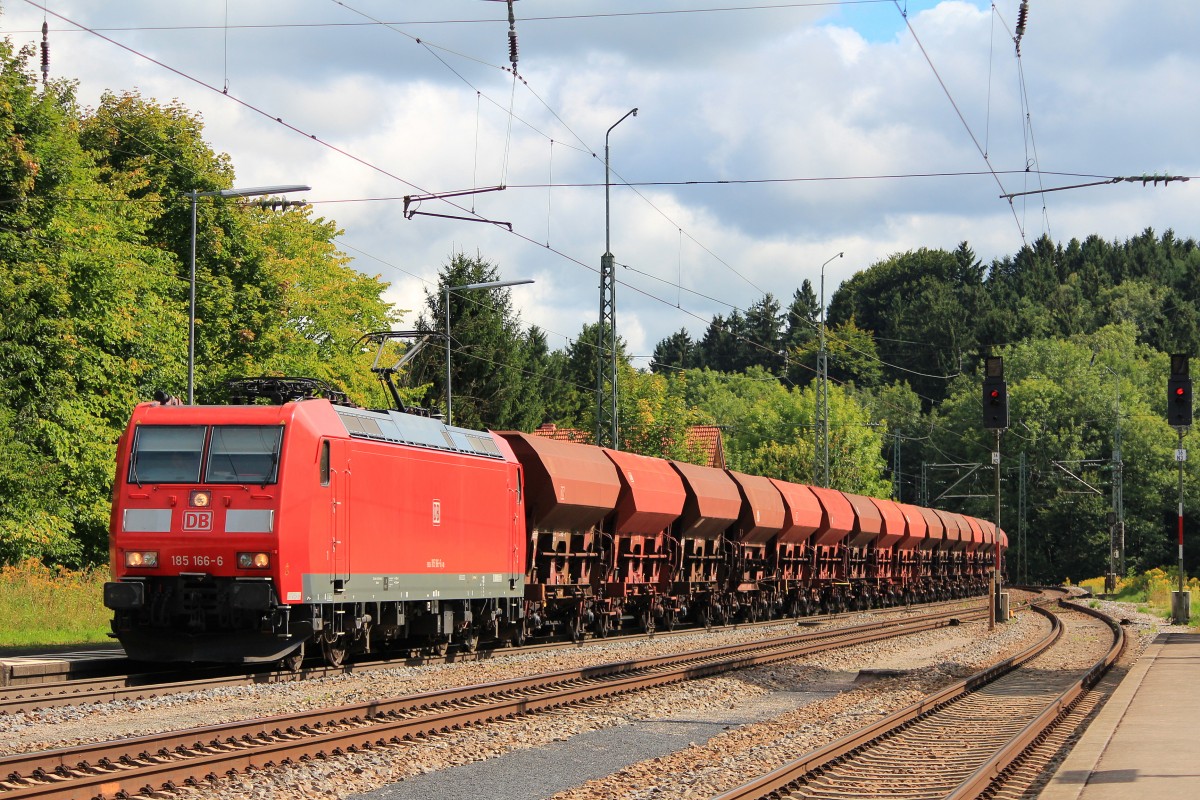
point(818, 92)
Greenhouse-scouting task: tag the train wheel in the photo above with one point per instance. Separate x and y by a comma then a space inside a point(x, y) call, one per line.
point(669, 620)
point(704, 618)
point(647, 622)
point(334, 652)
point(470, 642)
point(293, 660)
point(602, 627)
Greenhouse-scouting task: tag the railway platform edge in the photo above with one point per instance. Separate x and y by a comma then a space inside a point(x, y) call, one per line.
point(1140, 744)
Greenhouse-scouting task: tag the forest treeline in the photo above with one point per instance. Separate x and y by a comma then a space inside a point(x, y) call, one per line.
point(95, 226)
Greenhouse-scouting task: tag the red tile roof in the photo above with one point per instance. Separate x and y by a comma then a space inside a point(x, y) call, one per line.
point(549, 430)
point(707, 439)
point(704, 438)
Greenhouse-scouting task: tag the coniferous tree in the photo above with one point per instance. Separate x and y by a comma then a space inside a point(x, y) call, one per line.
point(676, 352)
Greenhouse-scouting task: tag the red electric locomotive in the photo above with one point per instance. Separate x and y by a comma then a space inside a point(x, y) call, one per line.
point(241, 532)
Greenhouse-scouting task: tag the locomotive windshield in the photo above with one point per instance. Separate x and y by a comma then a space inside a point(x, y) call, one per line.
point(167, 454)
point(236, 454)
point(244, 454)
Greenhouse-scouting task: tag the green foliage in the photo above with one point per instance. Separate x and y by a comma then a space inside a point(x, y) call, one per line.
point(93, 268)
point(770, 430)
point(95, 235)
point(1063, 409)
point(654, 415)
point(496, 376)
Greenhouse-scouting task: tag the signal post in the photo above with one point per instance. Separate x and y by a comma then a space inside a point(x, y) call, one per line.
point(1179, 415)
point(995, 418)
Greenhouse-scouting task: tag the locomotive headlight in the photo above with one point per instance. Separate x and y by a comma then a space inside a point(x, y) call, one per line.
point(200, 499)
point(253, 560)
point(146, 559)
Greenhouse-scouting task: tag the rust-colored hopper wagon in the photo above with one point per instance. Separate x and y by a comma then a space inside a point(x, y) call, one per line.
point(761, 519)
point(793, 568)
point(570, 489)
point(641, 553)
point(883, 560)
point(868, 525)
point(830, 564)
point(712, 504)
point(954, 548)
point(909, 552)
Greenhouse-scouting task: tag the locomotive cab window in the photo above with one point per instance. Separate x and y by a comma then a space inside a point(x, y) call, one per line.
point(244, 454)
point(325, 463)
point(167, 454)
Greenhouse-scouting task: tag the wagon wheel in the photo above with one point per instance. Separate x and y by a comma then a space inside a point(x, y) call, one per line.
point(669, 619)
point(577, 630)
point(293, 660)
point(647, 622)
point(602, 626)
point(334, 652)
point(704, 618)
point(470, 642)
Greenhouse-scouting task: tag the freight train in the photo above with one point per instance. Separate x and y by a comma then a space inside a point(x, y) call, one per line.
point(259, 531)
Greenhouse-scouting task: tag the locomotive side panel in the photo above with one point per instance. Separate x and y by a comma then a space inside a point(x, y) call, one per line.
point(411, 524)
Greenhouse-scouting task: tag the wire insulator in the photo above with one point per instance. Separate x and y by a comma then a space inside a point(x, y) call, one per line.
point(45, 52)
point(512, 36)
point(1022, 18)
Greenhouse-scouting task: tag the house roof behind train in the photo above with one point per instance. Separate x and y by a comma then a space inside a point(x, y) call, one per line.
point(705, 439)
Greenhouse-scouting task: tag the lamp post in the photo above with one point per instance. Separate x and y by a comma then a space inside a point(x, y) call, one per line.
point(607, 434)
point(466, 287)
point(823, 393)
point(1116, 531)
point(254, 191)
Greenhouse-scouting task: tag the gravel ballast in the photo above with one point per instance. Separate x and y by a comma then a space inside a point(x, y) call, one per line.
point(685, 741)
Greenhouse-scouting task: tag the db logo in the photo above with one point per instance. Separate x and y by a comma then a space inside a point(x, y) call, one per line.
point(198, 521)
point(437, 512)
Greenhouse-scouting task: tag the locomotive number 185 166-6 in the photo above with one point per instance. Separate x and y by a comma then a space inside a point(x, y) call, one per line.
point(197, 561)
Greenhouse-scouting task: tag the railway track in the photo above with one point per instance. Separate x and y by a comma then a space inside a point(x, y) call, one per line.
point(140, 686)
point(986, 736)
point(200, 756)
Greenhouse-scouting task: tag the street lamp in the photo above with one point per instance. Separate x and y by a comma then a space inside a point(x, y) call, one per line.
point(254, 191)
point(466, 287)
point(823, 391)
point(608, 313)
point(1116, 531)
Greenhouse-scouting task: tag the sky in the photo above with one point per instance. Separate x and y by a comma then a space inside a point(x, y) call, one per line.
point(770, 136)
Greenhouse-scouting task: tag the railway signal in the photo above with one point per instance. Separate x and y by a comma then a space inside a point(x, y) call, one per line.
point(995, 394)
point(1179, 393)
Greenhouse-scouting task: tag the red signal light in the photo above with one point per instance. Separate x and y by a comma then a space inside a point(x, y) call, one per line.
point(1179, 391)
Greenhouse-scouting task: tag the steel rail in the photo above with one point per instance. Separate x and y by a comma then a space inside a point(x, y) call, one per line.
point(156, 761)
point(36, 696)
point(1007, 758)
point(1004, 759)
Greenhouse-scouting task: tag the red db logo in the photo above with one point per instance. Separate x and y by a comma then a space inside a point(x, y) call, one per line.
point(198, 521)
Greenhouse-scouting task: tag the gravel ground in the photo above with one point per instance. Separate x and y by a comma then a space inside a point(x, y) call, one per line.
point(687, 741)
